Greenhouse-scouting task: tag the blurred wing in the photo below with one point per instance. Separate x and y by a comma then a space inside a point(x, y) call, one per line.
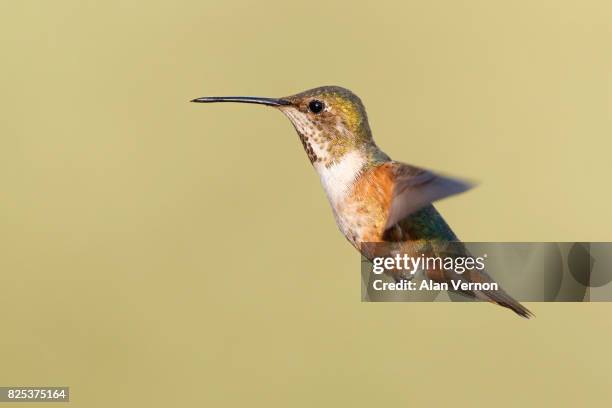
point(415, 188)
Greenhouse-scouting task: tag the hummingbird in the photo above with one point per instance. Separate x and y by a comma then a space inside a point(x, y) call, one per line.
point(375, 199)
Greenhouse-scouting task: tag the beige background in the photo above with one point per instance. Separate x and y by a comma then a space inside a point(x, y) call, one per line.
point(160, 253)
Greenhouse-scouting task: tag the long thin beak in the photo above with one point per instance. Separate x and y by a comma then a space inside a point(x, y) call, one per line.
point(243, 99)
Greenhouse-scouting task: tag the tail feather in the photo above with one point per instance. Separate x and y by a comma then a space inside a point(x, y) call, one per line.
point(497, 296)
point(503, 299)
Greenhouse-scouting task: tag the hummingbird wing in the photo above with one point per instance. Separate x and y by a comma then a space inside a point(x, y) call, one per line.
point(414, 188)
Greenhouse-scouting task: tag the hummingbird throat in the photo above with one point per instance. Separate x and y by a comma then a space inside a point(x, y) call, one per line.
point(324, 143)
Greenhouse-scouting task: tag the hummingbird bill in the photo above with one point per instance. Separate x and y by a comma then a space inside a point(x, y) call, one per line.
point(375, 199)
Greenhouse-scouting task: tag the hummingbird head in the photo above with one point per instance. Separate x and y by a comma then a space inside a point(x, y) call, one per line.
point(331, 121)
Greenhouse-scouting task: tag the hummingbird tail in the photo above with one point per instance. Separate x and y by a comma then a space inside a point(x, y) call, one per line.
point(503, 299)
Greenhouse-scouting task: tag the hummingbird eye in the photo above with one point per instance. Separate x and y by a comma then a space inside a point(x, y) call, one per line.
point(316, 106)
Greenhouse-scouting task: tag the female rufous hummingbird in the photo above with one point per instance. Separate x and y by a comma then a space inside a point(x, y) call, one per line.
point(374, 199)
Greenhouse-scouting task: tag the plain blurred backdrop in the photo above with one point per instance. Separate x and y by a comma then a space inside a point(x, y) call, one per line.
point(155, 252)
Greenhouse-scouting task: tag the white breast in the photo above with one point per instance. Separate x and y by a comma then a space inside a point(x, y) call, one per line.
point(338, 178)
